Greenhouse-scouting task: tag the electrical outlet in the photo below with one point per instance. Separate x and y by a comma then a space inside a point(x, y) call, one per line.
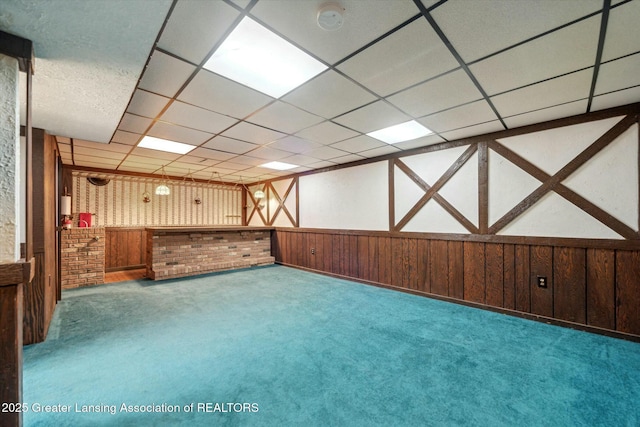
point(313, 251)
point(542, 282)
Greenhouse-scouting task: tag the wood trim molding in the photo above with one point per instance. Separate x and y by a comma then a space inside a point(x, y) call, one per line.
point(18, 272)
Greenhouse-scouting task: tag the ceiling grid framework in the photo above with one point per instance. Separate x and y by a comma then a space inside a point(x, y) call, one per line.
point(460, 68)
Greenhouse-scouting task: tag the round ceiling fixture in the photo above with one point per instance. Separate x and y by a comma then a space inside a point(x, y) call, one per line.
point(330, 16)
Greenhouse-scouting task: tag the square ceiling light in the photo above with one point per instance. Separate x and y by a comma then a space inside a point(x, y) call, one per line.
point(256, 57)
point(165, 145)
point(403, 132)
point(279, 166)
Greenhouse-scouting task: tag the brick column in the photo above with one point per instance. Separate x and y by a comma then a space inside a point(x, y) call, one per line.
point(82, 261)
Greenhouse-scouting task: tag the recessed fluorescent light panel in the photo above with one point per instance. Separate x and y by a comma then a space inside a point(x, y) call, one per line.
point(258, 58)
point(165, 145)
point(278, 166)
point(403, 132)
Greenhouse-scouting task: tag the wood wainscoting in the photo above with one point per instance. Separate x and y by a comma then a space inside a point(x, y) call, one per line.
point(590, 285)
point(125, 248)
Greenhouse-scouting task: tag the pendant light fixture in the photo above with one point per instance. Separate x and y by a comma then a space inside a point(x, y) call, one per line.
point(163, 188)
point(258, 194)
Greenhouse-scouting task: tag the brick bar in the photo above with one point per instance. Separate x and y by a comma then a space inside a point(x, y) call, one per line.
point(187, 251)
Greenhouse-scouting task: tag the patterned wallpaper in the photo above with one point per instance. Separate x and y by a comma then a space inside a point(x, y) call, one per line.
point(120, 202)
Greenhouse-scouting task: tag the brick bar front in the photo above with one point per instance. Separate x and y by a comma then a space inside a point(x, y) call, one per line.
point(187, 251)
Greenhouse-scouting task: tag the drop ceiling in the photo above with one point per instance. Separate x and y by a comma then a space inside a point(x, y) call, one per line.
point(110, 72)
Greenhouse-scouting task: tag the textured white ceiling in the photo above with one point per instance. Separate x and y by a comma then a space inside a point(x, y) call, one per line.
point(460, 67)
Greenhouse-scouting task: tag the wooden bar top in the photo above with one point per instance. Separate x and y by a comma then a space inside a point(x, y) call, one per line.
point(191, 229)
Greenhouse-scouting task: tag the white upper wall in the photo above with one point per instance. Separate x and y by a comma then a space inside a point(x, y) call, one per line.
point(354, 198)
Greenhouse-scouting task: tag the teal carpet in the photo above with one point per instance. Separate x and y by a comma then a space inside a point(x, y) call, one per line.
point(276, 346)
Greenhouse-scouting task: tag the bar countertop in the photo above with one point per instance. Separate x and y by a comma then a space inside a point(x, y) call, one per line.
point(200, 228)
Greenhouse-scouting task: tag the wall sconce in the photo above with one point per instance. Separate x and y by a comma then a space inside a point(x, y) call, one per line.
point(163, 188)
point(65, 210)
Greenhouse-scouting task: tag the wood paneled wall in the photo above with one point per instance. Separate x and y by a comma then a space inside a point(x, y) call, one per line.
point(41, 296)
point(125, 248)
point(595, 286)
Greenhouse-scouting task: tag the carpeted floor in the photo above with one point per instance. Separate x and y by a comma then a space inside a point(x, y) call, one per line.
point(276, 346)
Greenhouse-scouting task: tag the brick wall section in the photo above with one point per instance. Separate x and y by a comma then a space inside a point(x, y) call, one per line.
point(179, 254)
point(82, 257)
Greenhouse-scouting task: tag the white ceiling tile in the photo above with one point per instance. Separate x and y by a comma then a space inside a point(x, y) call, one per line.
point(382, 151)
point(347, 159)
point(230, 145)
point(136, 167)
point(246, 160)
point(187, 115)
point(211, 154)
point(411, 55)
point(198, 161)
point(104, 161)
point(135, 124)
point(102, 154)
point(546, 114)
point(159, 157)
point(326, 133)
point(178, 133)
point(475, 130)
point(88, 144)
point(479, 28)
point(322, 164)
point(194, 27)
point(623, 31)
point(186, 165)
point(268, 154)
point(375, 116)
point(295, 144)
point(620, 74)
point(148, 161)
point(300, 159)
point(127, 138)
point(614, 99)
point(329, 95)
point(364, 20)
point(216, 93)
point(230, 165)
point(284, 117)
point(436, 95)
point(147, 104)
point(165, 75)
point(358, 144)
point(465, 115)
point(96, 163)
point(561, 90)
point(326, 153)
point(419, 142)
point(252, 133)
point(118, 148)
point(558, 53)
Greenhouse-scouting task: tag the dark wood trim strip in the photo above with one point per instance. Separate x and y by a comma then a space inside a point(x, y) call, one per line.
point(483, 187)
point(596, 67)
point(392, 194)
point(568, 169)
